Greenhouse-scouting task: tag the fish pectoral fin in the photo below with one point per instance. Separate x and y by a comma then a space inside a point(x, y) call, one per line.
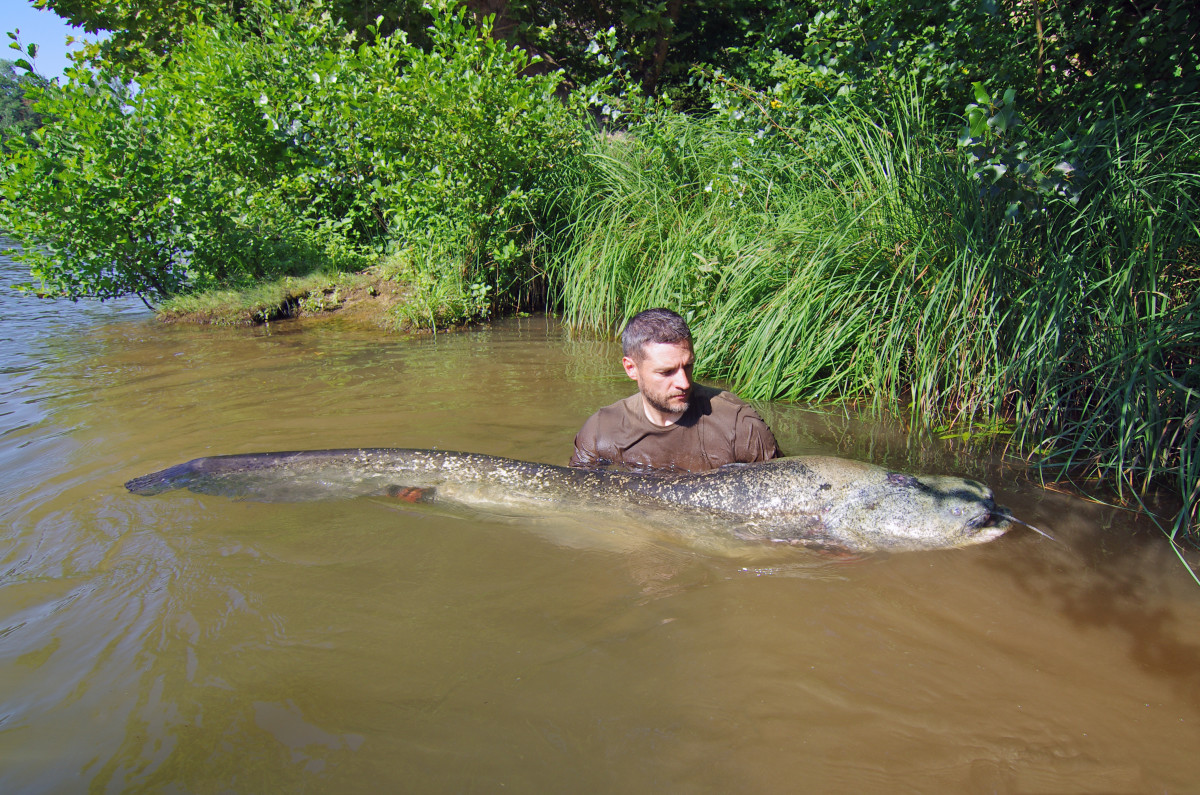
point(411, 494)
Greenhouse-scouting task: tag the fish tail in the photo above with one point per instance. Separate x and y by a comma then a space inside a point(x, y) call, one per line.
point(175, 477)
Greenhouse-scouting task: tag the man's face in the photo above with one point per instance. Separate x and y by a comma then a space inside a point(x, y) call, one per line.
point(664, 376)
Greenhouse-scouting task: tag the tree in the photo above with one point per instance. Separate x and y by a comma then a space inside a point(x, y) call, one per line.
point(140, 29)
point(655, 43)
point(17, 116)
point(1064, 60)
point(146, 30)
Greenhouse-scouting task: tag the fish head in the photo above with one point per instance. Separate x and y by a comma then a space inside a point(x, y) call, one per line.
point(910, 512)
point(832, 502)
point(866, 508)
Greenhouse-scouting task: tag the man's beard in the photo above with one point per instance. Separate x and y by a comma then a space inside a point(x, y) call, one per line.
point(678, 409)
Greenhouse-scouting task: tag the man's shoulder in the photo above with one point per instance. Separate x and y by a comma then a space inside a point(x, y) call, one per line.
point(626, 406)
point(616, 415)
point(607, 432)
point(719, 398)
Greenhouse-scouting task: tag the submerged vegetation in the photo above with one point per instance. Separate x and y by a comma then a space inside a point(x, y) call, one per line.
point(888, 205)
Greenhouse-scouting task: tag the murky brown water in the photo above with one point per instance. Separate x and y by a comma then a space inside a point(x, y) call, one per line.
point(195, 644)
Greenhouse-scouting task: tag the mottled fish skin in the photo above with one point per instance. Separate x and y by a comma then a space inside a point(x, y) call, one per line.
point(818, 501)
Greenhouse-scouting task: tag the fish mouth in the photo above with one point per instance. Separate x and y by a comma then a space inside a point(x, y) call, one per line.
point(991, 523)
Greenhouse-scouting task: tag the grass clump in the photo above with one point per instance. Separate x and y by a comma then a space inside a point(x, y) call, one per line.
point(258, 303)
point(278, 299)
point(439, 295)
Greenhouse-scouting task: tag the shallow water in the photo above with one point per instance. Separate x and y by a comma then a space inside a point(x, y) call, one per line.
point(198, 644)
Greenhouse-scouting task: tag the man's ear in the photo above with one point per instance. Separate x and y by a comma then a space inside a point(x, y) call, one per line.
point(630, 367)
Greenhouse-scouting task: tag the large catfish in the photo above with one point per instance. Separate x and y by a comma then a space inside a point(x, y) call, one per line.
point(815, 501)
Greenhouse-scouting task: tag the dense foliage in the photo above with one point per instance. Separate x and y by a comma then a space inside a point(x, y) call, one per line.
point(1065, 59)
point(143, 32)
point(245, 155)
point(979, 213)
point(17, 117)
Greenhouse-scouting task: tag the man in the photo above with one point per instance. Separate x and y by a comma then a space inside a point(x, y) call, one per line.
point(671, 422)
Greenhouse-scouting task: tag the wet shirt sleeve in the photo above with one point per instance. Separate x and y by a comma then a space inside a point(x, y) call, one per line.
point(586, 452)
point(753, 440)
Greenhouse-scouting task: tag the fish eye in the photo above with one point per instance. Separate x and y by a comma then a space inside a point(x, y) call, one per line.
point(956, 511)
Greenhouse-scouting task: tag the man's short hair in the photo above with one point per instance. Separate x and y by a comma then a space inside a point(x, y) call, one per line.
point(653, 325)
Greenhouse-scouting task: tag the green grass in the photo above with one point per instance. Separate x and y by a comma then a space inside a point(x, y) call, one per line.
point(439, 295)
point(418, 290)
point(257, 303)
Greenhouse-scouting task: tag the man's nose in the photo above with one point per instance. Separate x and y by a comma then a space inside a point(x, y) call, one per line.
point(682, 381)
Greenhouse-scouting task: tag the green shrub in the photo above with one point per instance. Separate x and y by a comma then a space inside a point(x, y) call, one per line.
point(277, 144)
point(453, 146)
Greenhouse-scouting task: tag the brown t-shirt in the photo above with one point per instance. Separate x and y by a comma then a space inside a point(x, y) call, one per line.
point(717, 429)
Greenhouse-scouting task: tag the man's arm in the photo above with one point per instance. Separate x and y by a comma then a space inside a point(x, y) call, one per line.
point(753, 439)
point(586, 454)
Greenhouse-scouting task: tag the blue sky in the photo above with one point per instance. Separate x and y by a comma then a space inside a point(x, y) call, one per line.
point(43, 28)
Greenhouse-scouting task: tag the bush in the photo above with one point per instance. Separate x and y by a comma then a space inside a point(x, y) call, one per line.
point(454, 147)
point(277, 144)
